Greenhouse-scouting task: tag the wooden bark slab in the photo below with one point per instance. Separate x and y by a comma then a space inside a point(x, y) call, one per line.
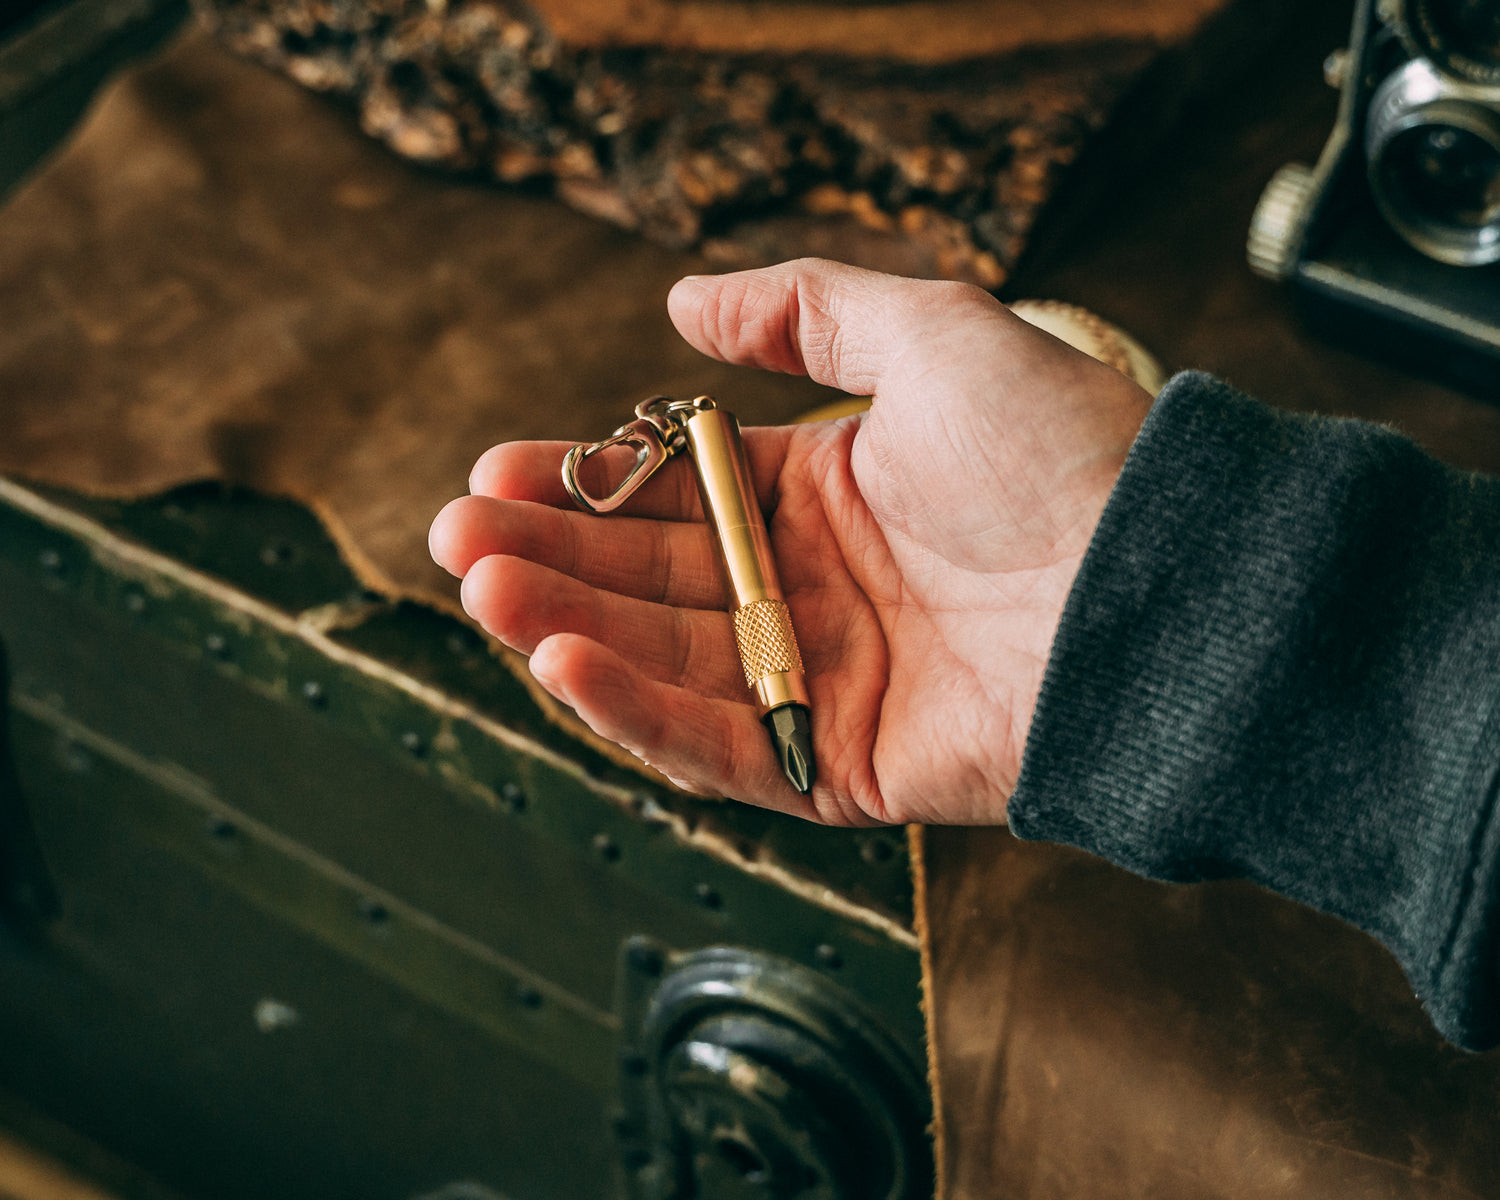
point(927, 31)
point(924, 138)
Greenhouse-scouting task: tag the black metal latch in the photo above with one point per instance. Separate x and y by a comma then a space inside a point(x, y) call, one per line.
point(744, 1076)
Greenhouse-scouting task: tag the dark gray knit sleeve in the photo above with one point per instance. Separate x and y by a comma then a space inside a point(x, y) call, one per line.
point(1281, 661)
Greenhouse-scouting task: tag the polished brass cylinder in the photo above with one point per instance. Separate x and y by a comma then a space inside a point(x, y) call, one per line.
point(762, 626)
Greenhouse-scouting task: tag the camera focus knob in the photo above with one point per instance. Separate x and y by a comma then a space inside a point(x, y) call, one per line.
point(1277, 225)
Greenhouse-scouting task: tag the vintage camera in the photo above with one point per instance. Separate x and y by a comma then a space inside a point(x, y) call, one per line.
point(1394, 236)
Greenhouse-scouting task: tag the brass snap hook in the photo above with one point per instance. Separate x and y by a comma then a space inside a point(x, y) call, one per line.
point(656, 433)
point(652, 448)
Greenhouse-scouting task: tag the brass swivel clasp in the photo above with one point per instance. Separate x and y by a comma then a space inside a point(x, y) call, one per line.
point(655, 435)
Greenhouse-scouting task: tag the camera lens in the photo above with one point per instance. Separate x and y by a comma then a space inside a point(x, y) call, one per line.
point(1433, 155)
point(1450, 175)
point(1462, 37)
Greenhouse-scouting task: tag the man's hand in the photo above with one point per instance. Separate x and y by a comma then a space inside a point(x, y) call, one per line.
point(925, 547)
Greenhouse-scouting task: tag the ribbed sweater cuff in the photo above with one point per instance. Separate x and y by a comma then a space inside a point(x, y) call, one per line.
point(1281, 661)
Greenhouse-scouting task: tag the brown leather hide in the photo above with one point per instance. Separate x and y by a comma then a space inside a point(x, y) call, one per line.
point(1107, 1037)
point(220, 277)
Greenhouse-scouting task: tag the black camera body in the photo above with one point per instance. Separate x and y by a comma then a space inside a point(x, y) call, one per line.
point(1393, 238)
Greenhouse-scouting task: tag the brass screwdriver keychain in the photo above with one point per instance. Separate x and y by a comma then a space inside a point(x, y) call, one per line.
point(762, 625)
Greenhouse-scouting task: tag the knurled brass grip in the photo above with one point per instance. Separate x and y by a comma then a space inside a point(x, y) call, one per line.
point(763, 629)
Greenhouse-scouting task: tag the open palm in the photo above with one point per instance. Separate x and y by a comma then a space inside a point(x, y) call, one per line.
point(926, 549)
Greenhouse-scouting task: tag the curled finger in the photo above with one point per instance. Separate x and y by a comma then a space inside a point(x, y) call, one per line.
point(705, 745)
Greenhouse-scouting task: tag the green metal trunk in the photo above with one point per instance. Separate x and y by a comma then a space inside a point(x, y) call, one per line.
point(305, 897)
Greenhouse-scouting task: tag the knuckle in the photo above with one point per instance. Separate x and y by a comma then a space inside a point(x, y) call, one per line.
point(658, 566)
point(686, 647)
point(652, 739)
point(968, 293)
point(947, 300)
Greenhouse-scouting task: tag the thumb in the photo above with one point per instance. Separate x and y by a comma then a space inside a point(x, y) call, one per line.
point(839, 324)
